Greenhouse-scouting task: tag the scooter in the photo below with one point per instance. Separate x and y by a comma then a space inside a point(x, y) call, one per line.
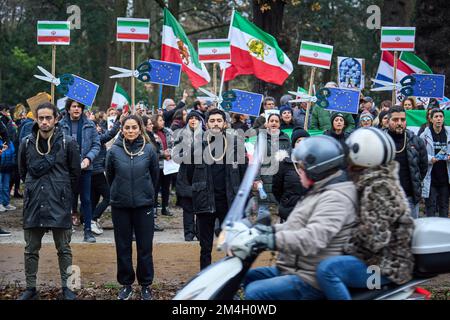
point(222, 280)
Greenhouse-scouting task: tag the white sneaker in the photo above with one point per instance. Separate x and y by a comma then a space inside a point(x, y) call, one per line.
point(2, 208)
point(95, 229)
point(10, 207)
point(99, 226)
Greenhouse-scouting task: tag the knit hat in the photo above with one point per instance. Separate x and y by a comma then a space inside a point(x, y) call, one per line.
point(365, 115)
point(285, 108)
point(298, 132)
point(194, 113)
point(334, 115)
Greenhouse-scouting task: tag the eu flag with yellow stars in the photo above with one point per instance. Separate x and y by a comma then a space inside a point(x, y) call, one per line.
point(165, 73)
point(82, 91)
point(246, 103)
point(343, 100)
point(429, 85)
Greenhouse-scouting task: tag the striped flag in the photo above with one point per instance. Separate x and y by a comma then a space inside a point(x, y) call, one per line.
point(398, 38)
point(176, 47)
point(133, 30)
point(315, 54)
point(254, 51)
point(214, 50)
point(120, 98)
point(53, 32)
point(415, 63)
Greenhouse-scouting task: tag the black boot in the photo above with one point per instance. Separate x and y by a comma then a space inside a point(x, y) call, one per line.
point(29, 294)
point(68, 294)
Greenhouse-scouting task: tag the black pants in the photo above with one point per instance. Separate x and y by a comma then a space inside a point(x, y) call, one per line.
point(163, 185)
point(437, 202)
point(140, 220)
point(99, 187)
point(189, 224)
point(206, 225)
point(15, 180)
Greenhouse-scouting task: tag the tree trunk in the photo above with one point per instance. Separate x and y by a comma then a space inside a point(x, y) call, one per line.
point(270, 21)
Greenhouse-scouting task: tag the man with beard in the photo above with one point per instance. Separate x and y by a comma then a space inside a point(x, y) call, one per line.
point(411, 154)
point(215, 179)
point(49, 163)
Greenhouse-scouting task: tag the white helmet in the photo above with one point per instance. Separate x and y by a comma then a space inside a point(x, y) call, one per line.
point(370, 147)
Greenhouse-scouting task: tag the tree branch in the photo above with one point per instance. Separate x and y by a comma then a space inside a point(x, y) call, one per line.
point(161, 3)
point(208, 28)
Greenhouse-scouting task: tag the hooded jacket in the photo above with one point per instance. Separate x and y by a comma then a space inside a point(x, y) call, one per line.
point(50, 180)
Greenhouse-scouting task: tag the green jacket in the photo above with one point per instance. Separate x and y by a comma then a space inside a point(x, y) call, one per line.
point(320, 120)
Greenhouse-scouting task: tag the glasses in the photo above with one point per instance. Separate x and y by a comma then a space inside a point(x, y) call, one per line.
point(366, 119)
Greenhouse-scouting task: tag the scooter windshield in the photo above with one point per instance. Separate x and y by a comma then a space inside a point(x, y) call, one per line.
point(237, 208)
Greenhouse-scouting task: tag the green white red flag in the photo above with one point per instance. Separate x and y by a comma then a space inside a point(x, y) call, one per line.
point(53, 32)
point(133, 30)
point(398, 38)
point(256, 52)
point(214, 50)
point(177, 48)
point(315, 54)
point(120, 98)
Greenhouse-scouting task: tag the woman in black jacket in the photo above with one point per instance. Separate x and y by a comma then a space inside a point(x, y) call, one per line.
point(338, 126)
point(287, 187)
point(131, 171)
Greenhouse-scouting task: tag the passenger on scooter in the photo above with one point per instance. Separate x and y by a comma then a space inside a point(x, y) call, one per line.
point(318, 227)
point(382, 238)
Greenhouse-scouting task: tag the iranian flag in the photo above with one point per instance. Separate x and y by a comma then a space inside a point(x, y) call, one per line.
point(133, 30)
point(177, 48)
point(53, 32)
point(415, 63)
point(398, 38)
point(315, 54)
point(214, 50)
point(256, 52)
point(120, 98)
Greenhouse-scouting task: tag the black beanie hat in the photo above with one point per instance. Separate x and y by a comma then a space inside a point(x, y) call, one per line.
point(298, 132)
point(194, 113)
point(334, 115)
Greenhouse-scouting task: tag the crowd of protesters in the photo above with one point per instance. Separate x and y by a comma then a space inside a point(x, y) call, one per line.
point(119, 160)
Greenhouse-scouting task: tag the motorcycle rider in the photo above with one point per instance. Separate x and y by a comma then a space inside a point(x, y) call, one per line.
point(318, 227)
point(384, 232)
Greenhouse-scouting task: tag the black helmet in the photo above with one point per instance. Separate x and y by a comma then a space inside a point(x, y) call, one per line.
point(319, 156)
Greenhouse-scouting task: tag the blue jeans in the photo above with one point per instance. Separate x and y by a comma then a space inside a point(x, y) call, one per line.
point(335, 274)
point(85, 198)
point(4, 188)
point(267, 283)
point(414, 208)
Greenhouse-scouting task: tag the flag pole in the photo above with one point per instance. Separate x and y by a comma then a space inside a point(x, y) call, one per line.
point(394, 99)
point(224, 67)
point(133, 108)
point(160, 96)
point(53, 72)
point(311, 83)
point(215, 78)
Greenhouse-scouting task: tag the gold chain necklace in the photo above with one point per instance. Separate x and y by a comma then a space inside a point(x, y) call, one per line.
point(404, 145)
point(224, 151)
point(48, 144)
point(131, 154)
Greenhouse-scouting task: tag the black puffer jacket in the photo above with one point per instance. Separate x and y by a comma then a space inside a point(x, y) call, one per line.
point(287, 188)
point(202, 181)
point(50, 181)
point(132, 178)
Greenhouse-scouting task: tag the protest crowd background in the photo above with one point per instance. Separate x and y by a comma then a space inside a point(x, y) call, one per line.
point(168, 111)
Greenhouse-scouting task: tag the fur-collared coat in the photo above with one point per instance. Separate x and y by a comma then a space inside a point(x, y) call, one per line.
point(384, 232)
